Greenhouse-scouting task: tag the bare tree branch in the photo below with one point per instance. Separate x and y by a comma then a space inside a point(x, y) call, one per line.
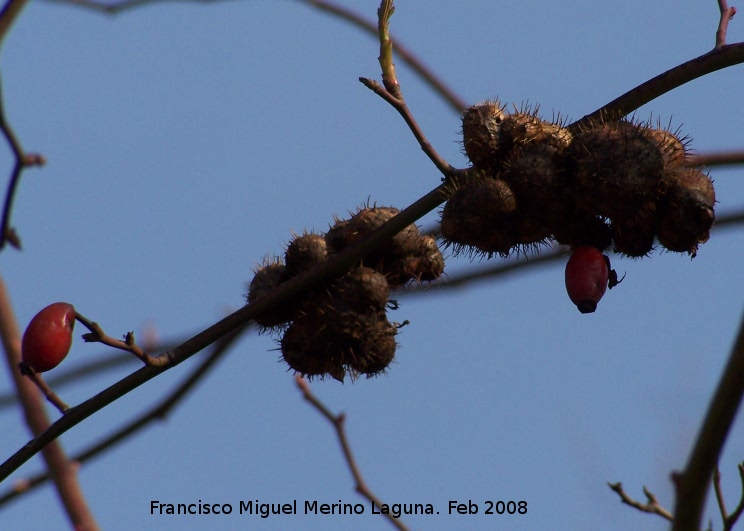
point(159, 412)
point(692, 484)
point(393, 94)
point(719, 494)
point(39, 382)
point(455, 102)
point(728, 519)
point(399, 105)
point(62, 471)
point(651, 506)
point(292, 288)
point(723, 56)
point(22, 160)
point(733, 517)
point(337, 421)
point(65, 375)
point(97, 335)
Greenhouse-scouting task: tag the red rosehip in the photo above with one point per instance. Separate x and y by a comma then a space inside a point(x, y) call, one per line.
point(48, 338)
point(587, 274)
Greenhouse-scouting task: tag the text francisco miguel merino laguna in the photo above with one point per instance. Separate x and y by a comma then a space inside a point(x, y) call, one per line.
point(264, 510)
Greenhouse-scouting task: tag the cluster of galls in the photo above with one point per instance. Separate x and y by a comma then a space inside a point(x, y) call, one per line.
point(618, 183)
point(343, 326)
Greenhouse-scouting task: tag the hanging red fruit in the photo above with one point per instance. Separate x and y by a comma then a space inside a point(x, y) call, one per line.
point(587, 274)
point(48, 338)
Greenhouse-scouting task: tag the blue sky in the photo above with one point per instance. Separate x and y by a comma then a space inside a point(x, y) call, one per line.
point(186, 142)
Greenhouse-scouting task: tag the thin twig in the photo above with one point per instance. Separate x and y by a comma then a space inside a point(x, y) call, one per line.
point(727, 13)
point(719, 495)
point(455, 102)
point(692, 484)
point(651, 506)
point(97, 335)
point(159, 412)
point(22, 160)
point(75, 373)
point(337, 421)
point(733, 517)
point(39, 382)
point(400, 105)
point(60, 468)
point(728, 519)
point(393, 94)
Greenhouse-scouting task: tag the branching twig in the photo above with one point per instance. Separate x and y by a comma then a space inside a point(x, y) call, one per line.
point(64, 374)
point(337, 421)
point(719, 494)
point(281, 295)
point(22, 160)
point(455, 102)
point(60, 468)
point(651, 506)
point(728, 519)
point(392, 93)
point(290, 289)
point(692, 484)
point(733, 517)
point(727, 13)
point(97, 335)
point(400, 105)
point(159, 412)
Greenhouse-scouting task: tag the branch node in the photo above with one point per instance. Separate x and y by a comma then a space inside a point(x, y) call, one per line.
point(651, 507)
point(33, 159)
point(97, 335)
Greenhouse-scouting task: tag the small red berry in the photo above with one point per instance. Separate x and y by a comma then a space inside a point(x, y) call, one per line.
point(48, 338)
point(587, 274)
